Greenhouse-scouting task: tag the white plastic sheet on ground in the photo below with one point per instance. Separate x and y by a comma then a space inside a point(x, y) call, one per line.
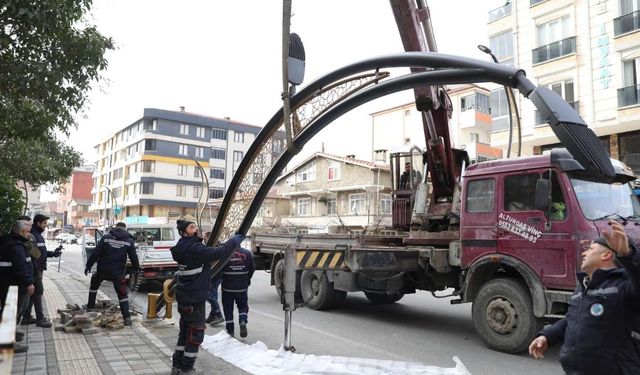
point(258, 359)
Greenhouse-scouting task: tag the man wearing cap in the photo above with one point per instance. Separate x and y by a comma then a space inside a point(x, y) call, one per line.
point(192, 290)
point(601, 331)
point(40, 223)
point(111, 254)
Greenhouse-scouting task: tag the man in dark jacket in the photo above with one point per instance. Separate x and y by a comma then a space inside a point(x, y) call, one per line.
point(40, 223)
point(236, 278)
point(192, 290)
point(111, 254)
point(15, 269)
point(601, 332)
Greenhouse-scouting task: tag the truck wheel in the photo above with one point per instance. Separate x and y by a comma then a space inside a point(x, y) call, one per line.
point(133, 279)
point(383, 298)
point(317, 291)
point(503, 316)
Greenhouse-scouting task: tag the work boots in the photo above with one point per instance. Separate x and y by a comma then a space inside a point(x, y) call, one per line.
point(243, 329)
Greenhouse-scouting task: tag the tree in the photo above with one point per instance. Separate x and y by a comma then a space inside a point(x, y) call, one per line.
point(49, 58)
point(12, 204)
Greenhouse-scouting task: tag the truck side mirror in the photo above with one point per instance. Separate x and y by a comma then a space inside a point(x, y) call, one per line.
point(542, 195)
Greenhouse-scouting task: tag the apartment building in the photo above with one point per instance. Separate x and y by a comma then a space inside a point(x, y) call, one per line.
point(146, 171)
point(586, 51)
point(329, 193)
point(74, 198)
point(470, 126)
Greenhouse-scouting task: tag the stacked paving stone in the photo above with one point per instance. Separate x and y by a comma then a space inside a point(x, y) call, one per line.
point(76, 319)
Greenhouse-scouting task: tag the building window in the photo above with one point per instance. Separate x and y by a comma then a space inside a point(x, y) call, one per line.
point(238, 137)
point(200, 132)
point(117, 174)
point(217, 173)
point(196, 172)
point(565, 90)
point(307, 173)
point(334, 170)
point(147, 187)
point(303, 207)
point(219, 134)
point(629, 19)
point(183, 150)
point(499, 110)
point(218, 153)
point(476, 101)
point(199, 152)
point(474, 137)
point(519, 192)
point(181, 190)
point(502, 47)
point(332, 206)
point(385, 204)
point(554, 40)
point(149, 124)
point(480, 195)
point(216, 193)
point(629, 94)
point(197, 191)
point(150, 144)
point(358, 203)
point(182, 170)
point(238, 155)
point(148, 166)
point(184, 129)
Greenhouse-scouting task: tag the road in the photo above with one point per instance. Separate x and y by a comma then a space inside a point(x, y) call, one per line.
point(418, 328)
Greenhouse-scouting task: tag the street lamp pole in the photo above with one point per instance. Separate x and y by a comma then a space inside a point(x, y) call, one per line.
point(115, 203)
point(511, 103)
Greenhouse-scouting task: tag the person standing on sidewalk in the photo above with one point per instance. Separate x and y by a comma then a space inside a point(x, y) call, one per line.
point(601, 331)
point(236, 278)
point(192, 290)
point(111, 254)
point(16, 270)
point(40, 223)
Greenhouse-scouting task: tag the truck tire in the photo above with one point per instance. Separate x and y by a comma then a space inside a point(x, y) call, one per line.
point(380, 299)
point(503, 315)
point(133, 279)
point(317, 291)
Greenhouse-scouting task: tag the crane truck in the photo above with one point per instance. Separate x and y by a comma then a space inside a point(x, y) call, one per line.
point(505, 235)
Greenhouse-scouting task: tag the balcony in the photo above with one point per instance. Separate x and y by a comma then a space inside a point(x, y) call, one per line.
point(539, 120)
point(628, 96)
point(501, 12)
point(627, 23)
point(534, 2)
point(554, 50)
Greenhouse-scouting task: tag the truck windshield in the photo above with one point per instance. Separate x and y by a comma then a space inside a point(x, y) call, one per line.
point(600, 200)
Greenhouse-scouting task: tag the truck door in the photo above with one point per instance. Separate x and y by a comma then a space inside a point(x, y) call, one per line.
point(90, 238)
point(478, 222)
point(523, 232)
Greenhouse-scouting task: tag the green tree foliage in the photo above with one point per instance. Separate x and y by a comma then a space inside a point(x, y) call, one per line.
point(12, 205)
point(49, 58)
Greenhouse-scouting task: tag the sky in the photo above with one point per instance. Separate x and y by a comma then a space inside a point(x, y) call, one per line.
point(223, 58)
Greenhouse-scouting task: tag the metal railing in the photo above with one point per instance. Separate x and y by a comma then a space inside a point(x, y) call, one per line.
point(539, 120)
point(554, 50)
point(500, 12)
point(8, 330)
point(626, 23)
point(629, 95)
point(534, 2)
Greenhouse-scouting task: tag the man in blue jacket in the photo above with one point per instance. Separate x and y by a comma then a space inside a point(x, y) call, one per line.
point(601, 331)
point(40, 223)
point(192, 290)
point(236, 278)
point(111, 254)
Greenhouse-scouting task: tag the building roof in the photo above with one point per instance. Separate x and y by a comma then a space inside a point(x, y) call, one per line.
point(344, 159)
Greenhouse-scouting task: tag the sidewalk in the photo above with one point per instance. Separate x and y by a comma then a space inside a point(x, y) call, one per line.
point(143, 348)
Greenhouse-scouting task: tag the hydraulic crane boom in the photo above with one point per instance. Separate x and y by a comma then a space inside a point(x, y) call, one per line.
point(416, 33)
